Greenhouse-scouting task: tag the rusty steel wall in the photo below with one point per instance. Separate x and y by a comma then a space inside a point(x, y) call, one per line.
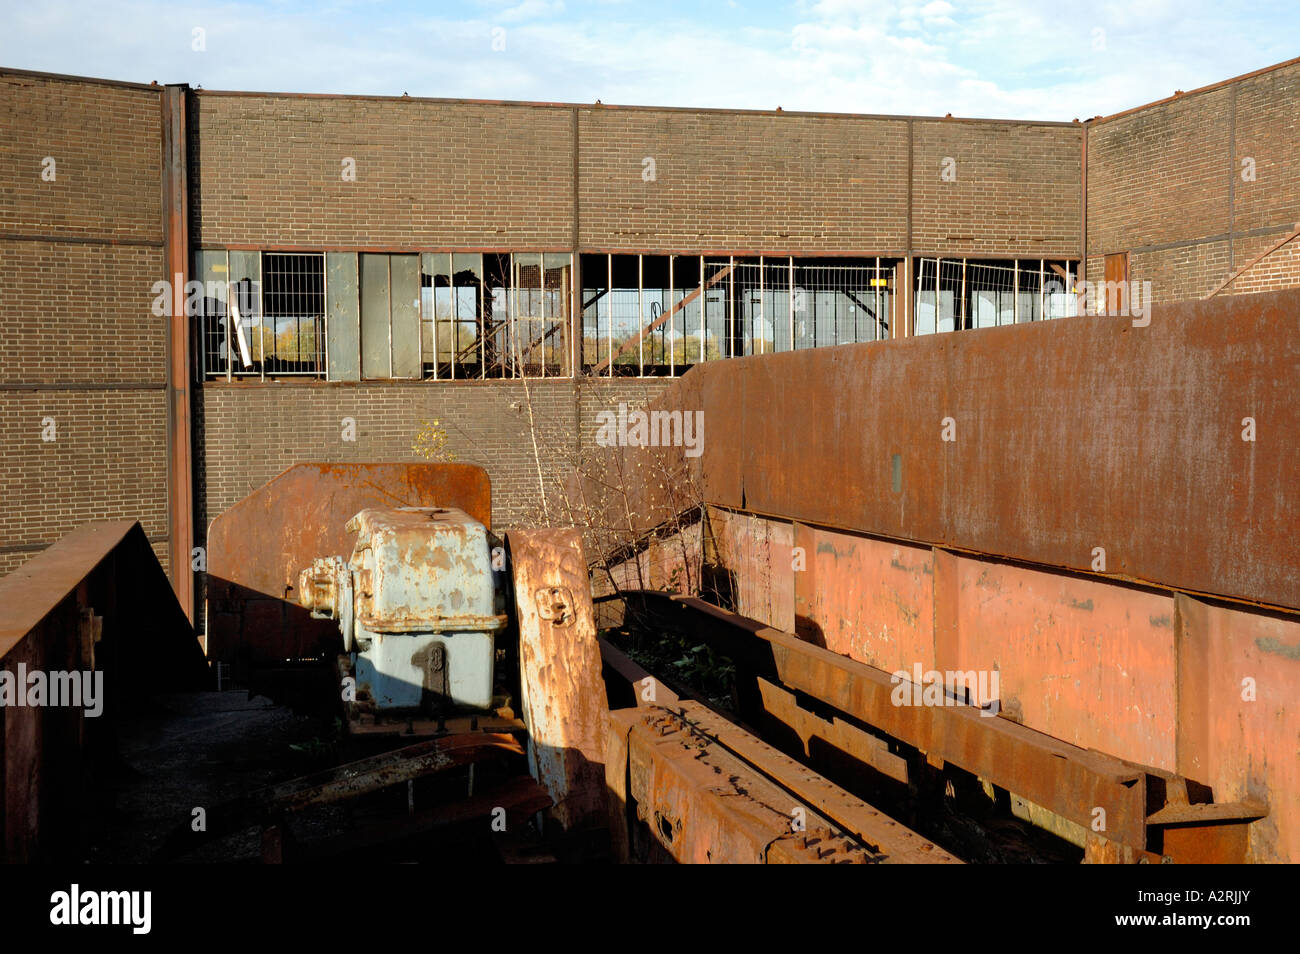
point(865, 598)
point(1151, 676)
point(1070, 437)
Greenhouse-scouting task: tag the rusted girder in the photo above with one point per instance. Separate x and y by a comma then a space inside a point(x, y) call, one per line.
point(1138, 807)
point(711, 793)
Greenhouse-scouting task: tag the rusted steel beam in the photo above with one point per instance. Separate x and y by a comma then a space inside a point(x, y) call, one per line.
point(389, 768)
point(257, 548)
point(645, 689)
point(710, 793)
point(882, 834)
point(562, 696)
point(815, 732)
point(1068, 781)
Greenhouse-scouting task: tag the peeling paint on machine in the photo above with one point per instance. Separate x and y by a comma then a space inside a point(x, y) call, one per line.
point(416, 605)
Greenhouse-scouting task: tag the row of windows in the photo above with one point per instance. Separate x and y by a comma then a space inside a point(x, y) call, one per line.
point(439, 315)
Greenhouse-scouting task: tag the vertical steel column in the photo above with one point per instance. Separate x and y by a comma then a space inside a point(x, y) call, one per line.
point(963, 293)
point(175, 228)
point(1042, 301)
point(261, 315)
point(433, 300)
point(481, 323)
point(640, 313)
point(453, 311)
point(703, 325)
point(791, 296)
point(762, 301)
point(609, 301)
point(668, 335)
point(875, 331)
point(731, 301)
point(230, 343)
point(1015, 294)
point(511, 307)
point(938, 272)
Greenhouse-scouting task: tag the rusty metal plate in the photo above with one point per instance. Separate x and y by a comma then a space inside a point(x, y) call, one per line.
point(257, 547)
point(99, 600)
point(563, 695)
point(1238, 725)
point(759, 553)
point(1086, 661)
point(872, 600)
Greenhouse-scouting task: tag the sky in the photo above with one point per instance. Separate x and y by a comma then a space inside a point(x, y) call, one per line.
point(1010, 59)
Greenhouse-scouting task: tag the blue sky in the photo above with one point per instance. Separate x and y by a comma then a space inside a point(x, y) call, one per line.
point(1010, 59)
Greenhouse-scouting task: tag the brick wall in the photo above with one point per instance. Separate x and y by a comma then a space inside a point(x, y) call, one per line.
point(79, 254)
point(726, 181)
point(1013, 188)
point(441, 174)
point(267, 170)
point(250, 433)
point(1165, 183)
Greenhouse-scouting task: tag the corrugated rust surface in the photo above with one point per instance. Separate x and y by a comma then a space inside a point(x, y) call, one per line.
point(1083, 660)
point(563, 695)
point(257, 547)
point(1239, 724)
point(872, 600)
point(96, 600)
point(1070, 435)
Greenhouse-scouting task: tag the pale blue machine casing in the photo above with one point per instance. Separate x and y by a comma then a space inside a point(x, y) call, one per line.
point(425, 618)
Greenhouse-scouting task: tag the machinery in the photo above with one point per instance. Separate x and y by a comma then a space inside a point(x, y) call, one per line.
point(419, 607)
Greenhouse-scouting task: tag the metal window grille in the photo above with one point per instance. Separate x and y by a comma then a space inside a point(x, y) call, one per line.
point(956, 294)
point(261, 314)
point(660, 314)
point(290, 337)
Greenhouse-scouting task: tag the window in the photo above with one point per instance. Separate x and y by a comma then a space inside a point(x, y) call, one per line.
point(260, 314)
point(957, 294)
point(646, 315)
point(496, 315)
point(291, 334)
